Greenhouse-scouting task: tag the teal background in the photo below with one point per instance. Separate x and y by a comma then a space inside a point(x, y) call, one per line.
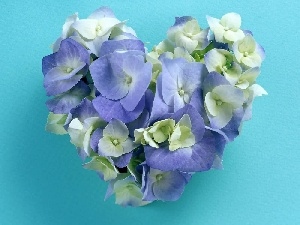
point(41, 178)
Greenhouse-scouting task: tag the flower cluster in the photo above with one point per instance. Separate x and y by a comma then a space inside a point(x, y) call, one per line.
point(146, 121)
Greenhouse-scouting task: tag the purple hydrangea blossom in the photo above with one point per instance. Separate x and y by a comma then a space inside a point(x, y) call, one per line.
point(162, 185)
point(122, 79)
point(199, 157)
point(64, 69)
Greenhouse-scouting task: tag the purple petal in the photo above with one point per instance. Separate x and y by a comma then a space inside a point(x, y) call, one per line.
point(212, 80)
point(60, 86)
point(111, 46)
point(48, 63)
point(198, 126)
point(199, 157)
point(96, 136)
point(232, 128)
point(83, 111)
point(123, 160)
point(160, 108)
point(108, 77)
point(109, 109)
point(170, 187)
point(69, 51)
point(141, 74)
point(62, 104)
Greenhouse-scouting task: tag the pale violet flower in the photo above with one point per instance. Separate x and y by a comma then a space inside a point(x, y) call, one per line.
point(247, 78)
point(162, 185)
point(115, 141)
point(80, 124)
point(221, 61)
point(182, 136)
point(227, 29)
point(55, 123)
point(128, 193)
point(159, 132)
point(103, 166)
point(255, 90)
point(221, 102)
point(248, 52)
point(187, 33)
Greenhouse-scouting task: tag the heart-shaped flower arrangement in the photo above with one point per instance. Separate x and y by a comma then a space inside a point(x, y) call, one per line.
point(147, 121)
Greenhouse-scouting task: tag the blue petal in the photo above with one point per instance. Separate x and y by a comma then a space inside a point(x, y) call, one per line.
point(62, 104)
point(170, 187)
point(141, 76)
point(96, 136)
point(108, 78)
point(71, 50)
point(232, 128)
point(109, 109)
point(199, 157)
point(123, 160)
point(213, 80)
point(83, 111)
point(111, 46)
point(160, 108)
point(60, 86)
point(48, 62)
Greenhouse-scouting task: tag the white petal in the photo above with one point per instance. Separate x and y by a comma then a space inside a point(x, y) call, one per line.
point(258, 90)
point(210, 103)
point(251, 74)
point(216, 28)
point(242, 85)
point(76, 124)
point(86, 28)
point(116, 129)
point(214, 60)
point(238, 55)
point(232, 21)
point(223, 117)
point(229, 94)
point(252, 60)
point(247, 44)
point(183, 41)
point(232, 36)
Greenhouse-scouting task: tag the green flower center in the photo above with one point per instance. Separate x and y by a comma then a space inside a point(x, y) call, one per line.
point(219, 102)
point(159, 177)
point(181, 92)
point(115, 142)
point(128, 79)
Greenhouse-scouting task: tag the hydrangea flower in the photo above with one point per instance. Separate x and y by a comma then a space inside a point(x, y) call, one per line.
point(162, 185)
point(81, 122)
point(98, 27)
point(248, 52)
point(128, 193)
point(103, 166)
point(227, 29)
point(55, 123)
point(187, 33)
point(122, 80)
point(222, 61)
point(221, 99)
point(200, 154)
point(64, 69)
point(179, 80)
point(115, 141)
